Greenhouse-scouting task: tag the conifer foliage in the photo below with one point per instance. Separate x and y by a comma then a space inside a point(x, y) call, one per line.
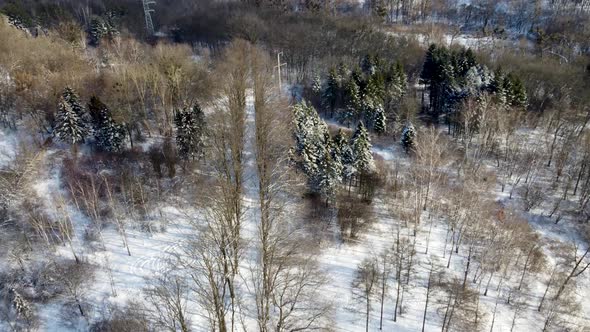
point(315, 153)
point(360, 145)
point(102, 27)
point(190, 132)
point(408, 137)
point(327, 161)
point(71, 124)
point(109, 136)
point(453, 75)
point(370, 92)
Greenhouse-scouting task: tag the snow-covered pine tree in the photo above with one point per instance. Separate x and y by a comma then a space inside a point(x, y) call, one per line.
point(343, 73)
point(380, 122)
point(71, 97)
point(190, 131)
point(408, 139)
point(360, 145)
point(429, 68)
point(373, 99)
point(108, 135)
point(329, 172)
point(98, 29)
point(314, 152)
point(379, 9)
point(21, 306)
point(396, 82)
point(353, 103)
point(497, 87)
point(102, 27)
point(473, 81)
point(346, 155)
point(316, 84)
point(330, 95)
point(69, 127)
point(334, 147)
point(368, 64)
point(518, 94)
point(375, 87)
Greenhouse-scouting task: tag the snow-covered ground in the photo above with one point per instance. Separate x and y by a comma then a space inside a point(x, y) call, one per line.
point(120, 277)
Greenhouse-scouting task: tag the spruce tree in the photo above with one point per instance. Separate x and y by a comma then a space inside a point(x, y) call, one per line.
point(102, 27)
point(330, 94)
point(353, 103)
point(190, 130)
point(379, 9)
point(69, 127)
point(98, 30)
point(315, 153)
point(368, 65)
point(108, 135)
point(111, 135)
point(360, 145)
point(473, 81)
point(329, 172)
point(380, 122)
point(342, 74)
point(346, 155)
point(429, 68)
point(70, 96)
point(518, 94)
point(396, 82)
point(497, 87)
point(408, 137)
point(316, 84)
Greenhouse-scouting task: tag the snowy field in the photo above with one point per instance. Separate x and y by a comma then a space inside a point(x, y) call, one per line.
point(121, 277)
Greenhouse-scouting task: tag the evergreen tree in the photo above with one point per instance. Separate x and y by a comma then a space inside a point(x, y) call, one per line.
point(190, 130)
point(329, 172)
point(408, 137)
point(360, 145)
point(357, 76)
point(343, 73)
point(102, 27)
point(379, 9)
point(430, 67)
point(108, 135)
point(396, 81)
point(346, 154)
point(373, 99)
point(518, 95)
point(330, 95)
point(315, 153)
point(21, 306)
point(316, 84)
point(69, 127)
point(497, 87)
point(473, 81)
point(380, 122)
point(353, 103)
point(70, 96)
point(369, 65)
point(98, 30)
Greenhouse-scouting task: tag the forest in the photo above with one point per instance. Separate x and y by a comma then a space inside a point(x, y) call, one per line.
point(294, 165)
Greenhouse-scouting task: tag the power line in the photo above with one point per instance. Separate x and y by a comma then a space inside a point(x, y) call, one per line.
point(278, 66)
point(148, 16)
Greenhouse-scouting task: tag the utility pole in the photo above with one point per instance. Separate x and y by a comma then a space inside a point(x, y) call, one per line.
point(148, 16)
point(278, 66)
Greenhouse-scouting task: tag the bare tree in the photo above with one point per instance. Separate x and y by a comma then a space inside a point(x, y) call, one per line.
point(430, 151)
point(364, 285)
point(168, 296)
point(74, 279)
